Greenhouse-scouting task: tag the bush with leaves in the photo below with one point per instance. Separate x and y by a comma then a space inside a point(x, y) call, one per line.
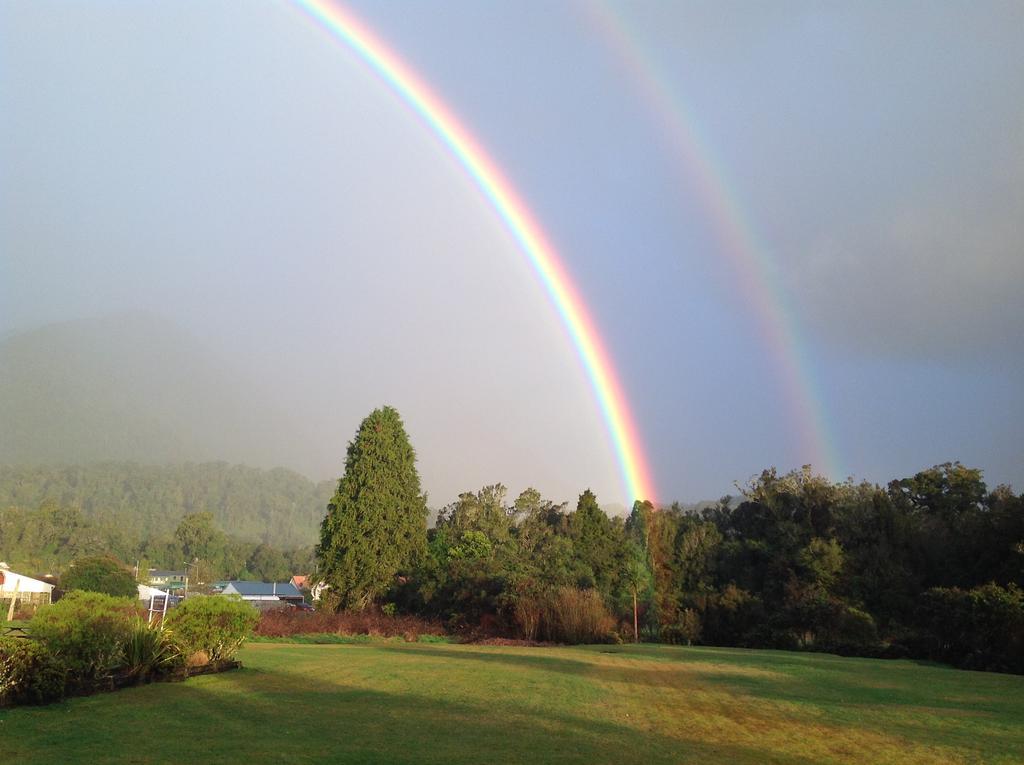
point(100, 573)
point(216, 625)
point(29, 673)
point(86, 631)
point(980, 628)
point(856, 629)
point(685, 631)
point(730, 617)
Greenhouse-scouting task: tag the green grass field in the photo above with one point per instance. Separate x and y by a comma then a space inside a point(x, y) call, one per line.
point(391, 702)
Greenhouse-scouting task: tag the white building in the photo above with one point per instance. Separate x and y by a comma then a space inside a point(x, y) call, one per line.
point(25, 588)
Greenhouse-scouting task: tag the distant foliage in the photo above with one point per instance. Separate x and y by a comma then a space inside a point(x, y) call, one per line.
point(214, 625)
point(118, 504)
point(930, 566)
point(48, 539)
point(100, 573)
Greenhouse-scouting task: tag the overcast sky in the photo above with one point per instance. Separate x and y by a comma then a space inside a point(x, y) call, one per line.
point(229, 167)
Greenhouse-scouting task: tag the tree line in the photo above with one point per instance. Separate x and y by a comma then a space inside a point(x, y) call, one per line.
point(49, 539)
point(136, 502)
point(928, 566)
point(161, 516)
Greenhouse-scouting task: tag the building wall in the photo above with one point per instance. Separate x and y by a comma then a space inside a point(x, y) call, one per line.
point(23, 584)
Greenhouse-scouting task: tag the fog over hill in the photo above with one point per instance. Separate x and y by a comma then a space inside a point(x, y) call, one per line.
point(136, 387)
point(131, 387)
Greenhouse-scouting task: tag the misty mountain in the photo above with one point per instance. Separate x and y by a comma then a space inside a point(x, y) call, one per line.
point(130, 387)
point(146, 502)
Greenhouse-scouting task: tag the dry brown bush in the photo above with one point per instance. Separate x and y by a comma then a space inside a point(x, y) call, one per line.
point(565, 615)
point(288, 623)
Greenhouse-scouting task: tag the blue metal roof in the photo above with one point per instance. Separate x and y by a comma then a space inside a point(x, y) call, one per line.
point(281, 589)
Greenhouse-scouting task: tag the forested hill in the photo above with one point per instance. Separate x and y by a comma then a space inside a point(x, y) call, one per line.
point(278, 507)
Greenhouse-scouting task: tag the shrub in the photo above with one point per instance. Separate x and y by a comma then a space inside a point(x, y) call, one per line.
point(571, 615)
point(733, 617)
point(981, 628)
point(148, 650)
point(564, 615)
point(856, 629)
point(29, 673)
point(86, 631)
point(686, 631)
point(100, 573)
point(213, 624)
point(288, 622)
point(528, 612)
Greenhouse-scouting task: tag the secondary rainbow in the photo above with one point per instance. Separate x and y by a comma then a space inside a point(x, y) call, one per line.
point(752, 265)
point(343, 26)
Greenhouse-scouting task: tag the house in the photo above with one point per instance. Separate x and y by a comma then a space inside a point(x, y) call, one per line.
point(265, 595)
point(24, 588)
point(300, 582)
point(167, 580)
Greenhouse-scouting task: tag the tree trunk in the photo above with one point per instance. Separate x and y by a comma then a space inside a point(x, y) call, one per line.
point(636, 632)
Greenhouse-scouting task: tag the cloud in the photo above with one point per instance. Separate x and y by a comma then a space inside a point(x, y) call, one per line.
point(935, 277)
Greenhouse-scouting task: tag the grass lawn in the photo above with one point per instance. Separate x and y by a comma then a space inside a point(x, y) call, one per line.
point(391, 702)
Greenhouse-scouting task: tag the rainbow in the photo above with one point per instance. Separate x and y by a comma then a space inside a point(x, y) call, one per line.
point(516, 217)
point(751, 262)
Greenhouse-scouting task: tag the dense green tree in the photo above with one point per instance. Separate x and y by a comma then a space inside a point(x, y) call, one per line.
point(949, 489)
point(696, 549)
point(655, 532)
point(980, 628)
point(821, 561)
point(376, 523)
point(484, 511)
point(100, 573)
point(268, 564)
point(199, 537)
point(595, 543)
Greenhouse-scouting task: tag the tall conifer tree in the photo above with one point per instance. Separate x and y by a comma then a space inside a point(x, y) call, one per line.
point(376, 523)
point(594, 541)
